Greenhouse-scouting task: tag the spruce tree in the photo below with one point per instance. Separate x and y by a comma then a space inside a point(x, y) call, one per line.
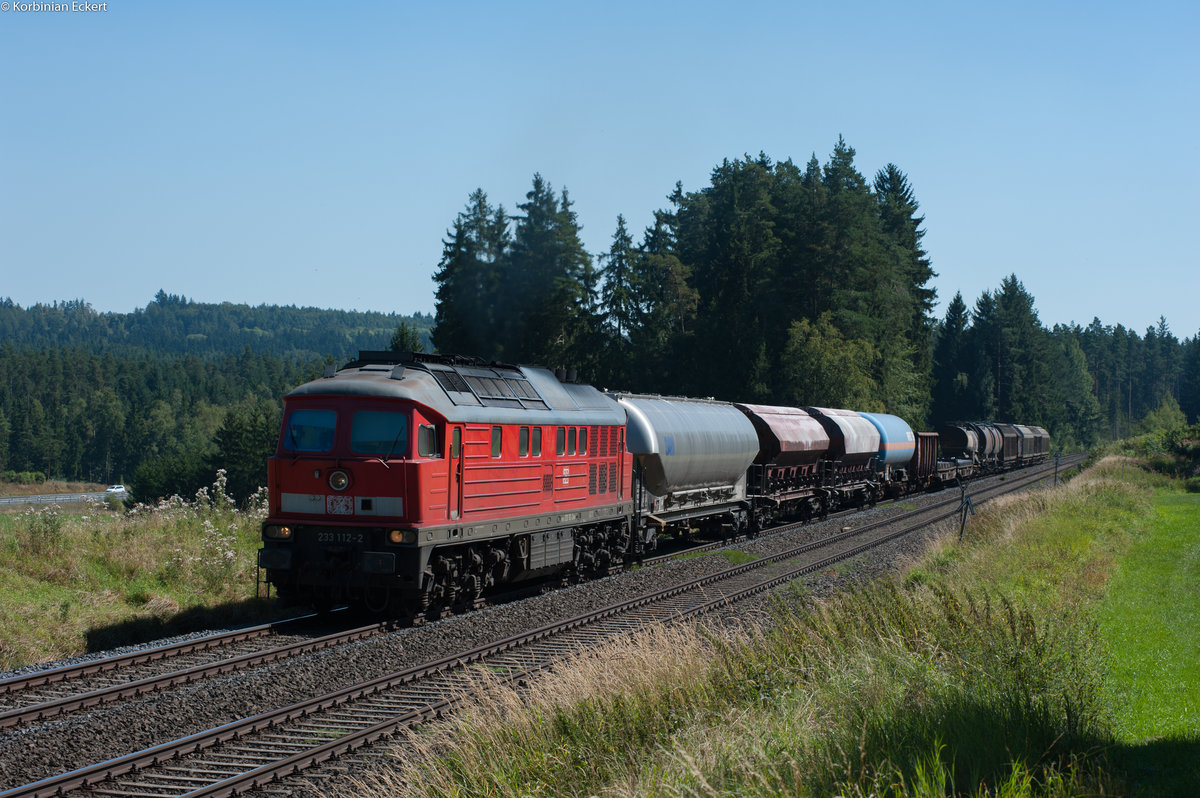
point(545, 293)
point(468, 279)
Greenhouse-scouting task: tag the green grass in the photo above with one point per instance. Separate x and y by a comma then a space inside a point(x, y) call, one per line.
point(734, 556)
point(1150, 622)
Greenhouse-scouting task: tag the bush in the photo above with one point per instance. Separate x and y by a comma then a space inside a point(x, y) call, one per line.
point(23, 477)
point(1192, 485)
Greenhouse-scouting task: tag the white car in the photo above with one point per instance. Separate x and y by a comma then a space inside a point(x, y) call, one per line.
point(116, 490)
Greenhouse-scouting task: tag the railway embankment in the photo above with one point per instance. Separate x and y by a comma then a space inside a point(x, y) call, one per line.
point(91, 576)
point(1051, 651)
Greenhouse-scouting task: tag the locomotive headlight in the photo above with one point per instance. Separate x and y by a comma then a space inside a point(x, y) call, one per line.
point(273, 532)
point(402, 536)
point(338, 480)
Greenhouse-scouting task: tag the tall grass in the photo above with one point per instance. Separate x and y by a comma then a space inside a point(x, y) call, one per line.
point(980, 674)
point(70, 581)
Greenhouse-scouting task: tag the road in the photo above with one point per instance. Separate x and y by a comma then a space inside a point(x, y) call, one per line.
point(56, 498)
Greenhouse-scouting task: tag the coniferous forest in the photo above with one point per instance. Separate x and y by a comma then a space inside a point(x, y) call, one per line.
point(775, 284)
point(793, 285)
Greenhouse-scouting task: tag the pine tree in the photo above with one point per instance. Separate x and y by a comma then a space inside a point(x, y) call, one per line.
point(952, 366)
point(545, 293)
point(666, 305)
point(902, 227)
point(1189, 382)
point(619, 302)
point(468, 280)
point(726, 234)
point(406, 339)
point(619, 307)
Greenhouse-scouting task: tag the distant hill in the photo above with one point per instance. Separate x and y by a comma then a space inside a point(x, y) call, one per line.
point(173, 324)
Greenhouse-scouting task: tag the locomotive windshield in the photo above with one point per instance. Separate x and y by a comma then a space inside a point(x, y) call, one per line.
point(379, 432)
point(309, 430)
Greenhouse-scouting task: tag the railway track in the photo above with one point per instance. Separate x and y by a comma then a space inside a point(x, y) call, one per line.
point(250, 753)
point(47, 694)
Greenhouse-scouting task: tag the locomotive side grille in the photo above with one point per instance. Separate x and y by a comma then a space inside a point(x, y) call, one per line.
point(612, 477)
point(603, 487)
point(592, 479)
point(612, 444)
point(602, 444)
point(547, 483)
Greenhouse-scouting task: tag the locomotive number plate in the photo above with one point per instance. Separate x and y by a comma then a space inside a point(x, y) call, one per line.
point(341, 537)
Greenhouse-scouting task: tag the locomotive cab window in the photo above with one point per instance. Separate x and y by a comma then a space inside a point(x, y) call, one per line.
point(497, 441)
point(523, 442)
point(537, 441)
point(381, 432)
point(427, 442)
point(309, 430)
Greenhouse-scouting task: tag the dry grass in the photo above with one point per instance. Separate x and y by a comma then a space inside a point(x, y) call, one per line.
point(70, 581)
point(50, 486)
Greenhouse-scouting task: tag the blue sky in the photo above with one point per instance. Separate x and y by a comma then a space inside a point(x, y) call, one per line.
point(315, 153)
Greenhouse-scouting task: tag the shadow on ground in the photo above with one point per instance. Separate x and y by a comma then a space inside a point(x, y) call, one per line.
point(1163, 768)
point(199, 619)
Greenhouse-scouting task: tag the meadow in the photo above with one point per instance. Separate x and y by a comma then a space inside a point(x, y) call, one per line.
point(89, 577)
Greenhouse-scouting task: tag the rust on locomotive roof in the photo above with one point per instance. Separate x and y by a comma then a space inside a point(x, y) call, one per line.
point(467, 389)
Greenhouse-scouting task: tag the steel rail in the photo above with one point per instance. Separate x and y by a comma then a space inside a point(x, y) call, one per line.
point(71, 703)
point(16, 684)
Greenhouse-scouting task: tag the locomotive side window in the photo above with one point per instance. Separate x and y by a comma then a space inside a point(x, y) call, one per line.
point(497, 439)
point(571, 433)
point(523, 442)
point(455, 441)
point(379, 432)
point(427, 443)
point(309, 430)
point(560, 442)
point(583, 440)
point(537, 441)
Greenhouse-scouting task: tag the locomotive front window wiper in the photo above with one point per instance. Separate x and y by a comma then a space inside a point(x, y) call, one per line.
point(392, 448)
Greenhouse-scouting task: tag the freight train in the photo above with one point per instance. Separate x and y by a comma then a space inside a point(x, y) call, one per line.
point(408, 484)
